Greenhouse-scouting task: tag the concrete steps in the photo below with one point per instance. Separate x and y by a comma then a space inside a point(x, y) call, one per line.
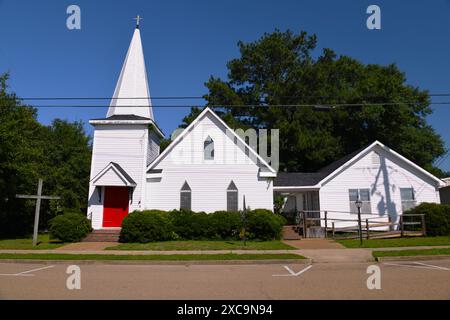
point(108, 235)
point(289, 233)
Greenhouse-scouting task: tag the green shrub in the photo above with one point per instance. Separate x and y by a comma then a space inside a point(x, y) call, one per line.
point(69, 227)
point(147, 226)
point(225, 225)
point(190, 225)
point(263, 224)
point(437, 218)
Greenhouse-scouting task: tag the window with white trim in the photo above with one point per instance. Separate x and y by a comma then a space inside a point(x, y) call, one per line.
point(359, 194)
point(408, 199)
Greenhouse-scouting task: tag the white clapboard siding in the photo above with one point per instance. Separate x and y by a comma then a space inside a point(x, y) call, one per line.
point(208, 179)
point(127, 146)
point(153, 147)
point(384, 174)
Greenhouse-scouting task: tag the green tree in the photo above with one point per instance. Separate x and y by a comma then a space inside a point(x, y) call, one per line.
point(282, 68)
point(59, 153)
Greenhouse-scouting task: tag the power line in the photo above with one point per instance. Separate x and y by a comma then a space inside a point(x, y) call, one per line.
point(195, 97)
point(317, 106)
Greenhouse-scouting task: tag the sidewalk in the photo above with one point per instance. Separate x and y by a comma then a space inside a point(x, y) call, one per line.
point(150, 252)
point(336, 255)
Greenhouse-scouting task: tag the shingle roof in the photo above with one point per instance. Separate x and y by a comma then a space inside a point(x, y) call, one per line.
point(329, 169)
point(124, 117)
point(297, 179)
point(123, 172)
point(302, 179)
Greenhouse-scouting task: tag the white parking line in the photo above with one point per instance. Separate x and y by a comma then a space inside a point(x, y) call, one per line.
point(419, 265)
point(433, 266)
point(25, 273)
point(292, 273)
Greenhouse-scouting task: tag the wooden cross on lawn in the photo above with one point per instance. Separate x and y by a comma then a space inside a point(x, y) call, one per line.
point(38, 198)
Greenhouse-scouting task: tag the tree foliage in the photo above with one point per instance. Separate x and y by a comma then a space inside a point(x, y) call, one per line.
point(283, 68)
point(59, 153)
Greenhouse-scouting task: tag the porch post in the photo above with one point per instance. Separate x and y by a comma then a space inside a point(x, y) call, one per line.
point(304, 224)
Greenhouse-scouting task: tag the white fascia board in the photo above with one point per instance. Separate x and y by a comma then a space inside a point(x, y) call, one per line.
point(140, 122)
point(153, 175)
point(267, 174)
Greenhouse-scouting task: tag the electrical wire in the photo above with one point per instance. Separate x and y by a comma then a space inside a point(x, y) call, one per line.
point(317, 106)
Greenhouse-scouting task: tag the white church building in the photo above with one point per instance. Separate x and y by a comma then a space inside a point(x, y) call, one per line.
point(208, 167)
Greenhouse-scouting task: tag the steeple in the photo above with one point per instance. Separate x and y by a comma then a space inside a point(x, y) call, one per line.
point(132, 83)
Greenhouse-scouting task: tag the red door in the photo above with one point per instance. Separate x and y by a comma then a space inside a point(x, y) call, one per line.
point(115, 206)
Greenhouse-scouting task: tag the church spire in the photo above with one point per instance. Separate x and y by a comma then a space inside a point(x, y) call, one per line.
point(132, 83)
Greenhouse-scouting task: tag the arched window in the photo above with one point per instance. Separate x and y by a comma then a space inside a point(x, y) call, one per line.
point(232, 197)
point(208, 149)
point(185, 197)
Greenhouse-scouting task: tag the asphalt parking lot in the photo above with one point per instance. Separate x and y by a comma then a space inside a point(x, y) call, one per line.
point(399, 280)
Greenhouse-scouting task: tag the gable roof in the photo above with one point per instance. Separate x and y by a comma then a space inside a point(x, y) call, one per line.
point(316, 179)
point(121, 174)
point(192, 124)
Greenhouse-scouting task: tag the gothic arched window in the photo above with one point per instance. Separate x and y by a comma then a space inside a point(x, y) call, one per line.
point(208, 149)
point(232, 197)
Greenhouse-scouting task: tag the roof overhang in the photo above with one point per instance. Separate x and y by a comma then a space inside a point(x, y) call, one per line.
point(155, 173)
point(127, 122)
point(267, 174)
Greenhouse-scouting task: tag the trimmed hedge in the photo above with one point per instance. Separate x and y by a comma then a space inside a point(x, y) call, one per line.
point(146, 226)
point(225, 225)
point(69, 227)
point(263, 224)
point(155, 225)
point(437, 218)
point(190, 225)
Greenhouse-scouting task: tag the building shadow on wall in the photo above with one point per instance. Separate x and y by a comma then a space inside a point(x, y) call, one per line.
point(386, 206)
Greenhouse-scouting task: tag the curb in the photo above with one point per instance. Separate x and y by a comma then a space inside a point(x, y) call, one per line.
point(414, 258)
point(160, 262)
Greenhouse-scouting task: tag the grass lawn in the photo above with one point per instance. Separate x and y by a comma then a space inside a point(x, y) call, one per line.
point(157, 257)
point(204, 245)
point(401, 253)
point(397, 242)
point(43, 243)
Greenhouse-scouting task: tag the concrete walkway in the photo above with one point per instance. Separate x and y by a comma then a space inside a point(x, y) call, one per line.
point(316, 243)
point(86, 246)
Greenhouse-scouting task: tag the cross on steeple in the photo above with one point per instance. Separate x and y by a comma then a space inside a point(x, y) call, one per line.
point(138, 19)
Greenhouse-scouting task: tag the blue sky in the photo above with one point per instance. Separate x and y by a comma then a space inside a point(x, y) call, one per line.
point(185, 42)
